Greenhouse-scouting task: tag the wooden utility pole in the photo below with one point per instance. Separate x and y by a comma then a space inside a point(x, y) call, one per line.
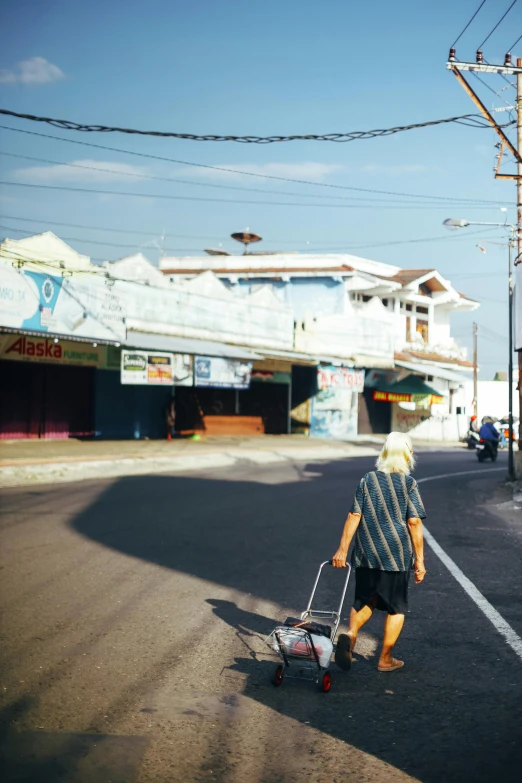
point(507, 69)
point(475, 370)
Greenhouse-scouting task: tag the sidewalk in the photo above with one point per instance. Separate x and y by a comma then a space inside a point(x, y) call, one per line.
point(26, 462)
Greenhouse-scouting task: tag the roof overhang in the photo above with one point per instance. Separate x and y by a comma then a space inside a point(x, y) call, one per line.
point(164, 342)
point(434, 370)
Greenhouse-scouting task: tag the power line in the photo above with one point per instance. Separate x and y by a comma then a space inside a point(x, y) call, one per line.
point(134, 247)
point(101, 228)
point(347, 244)
point(180, 181)
point(497, 25)
point(191, 182)
point(457, 39)
point(249, 173)
point(169, 196)
point(513, 45)
point(473, 120)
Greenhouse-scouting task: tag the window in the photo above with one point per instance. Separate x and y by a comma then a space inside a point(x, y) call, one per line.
point(424, 289)
point(408, 329)
point(409, 308)
point(423, 310)
point(422, 329)
point(385, 302)
point(366, 298)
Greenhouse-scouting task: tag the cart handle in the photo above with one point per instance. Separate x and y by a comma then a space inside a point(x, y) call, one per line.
point(343, 595)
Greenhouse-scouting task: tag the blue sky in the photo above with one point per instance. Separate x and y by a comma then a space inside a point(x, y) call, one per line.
point(265, 68)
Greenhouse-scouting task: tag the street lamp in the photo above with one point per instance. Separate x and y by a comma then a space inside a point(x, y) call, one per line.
point(455, 223)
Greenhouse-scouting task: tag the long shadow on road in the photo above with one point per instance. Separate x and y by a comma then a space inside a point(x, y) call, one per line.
point(453, 714)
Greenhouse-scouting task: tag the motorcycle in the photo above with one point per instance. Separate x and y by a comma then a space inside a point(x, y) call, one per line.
point(472, 438)
point(487, 449)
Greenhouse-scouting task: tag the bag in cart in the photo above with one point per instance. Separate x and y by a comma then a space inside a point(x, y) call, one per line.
point(305, 645)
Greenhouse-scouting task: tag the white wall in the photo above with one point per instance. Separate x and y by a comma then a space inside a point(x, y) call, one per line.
point(492, 398)
point(363, 331)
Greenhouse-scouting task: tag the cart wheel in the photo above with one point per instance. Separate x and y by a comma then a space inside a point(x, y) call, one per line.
point(278, 675)
point(325, 682)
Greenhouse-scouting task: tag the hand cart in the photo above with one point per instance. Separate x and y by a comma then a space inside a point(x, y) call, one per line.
point(305, 645)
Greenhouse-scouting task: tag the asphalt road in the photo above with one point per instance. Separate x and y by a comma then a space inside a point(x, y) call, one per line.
point(134, 611)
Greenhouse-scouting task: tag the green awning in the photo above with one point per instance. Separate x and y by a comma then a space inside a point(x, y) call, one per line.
point(412, 384)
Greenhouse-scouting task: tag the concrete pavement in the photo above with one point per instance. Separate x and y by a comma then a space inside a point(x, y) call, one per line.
point(135, 610)
point(29, 462)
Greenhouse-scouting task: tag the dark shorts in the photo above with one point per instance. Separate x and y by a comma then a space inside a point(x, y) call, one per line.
point(389, 589)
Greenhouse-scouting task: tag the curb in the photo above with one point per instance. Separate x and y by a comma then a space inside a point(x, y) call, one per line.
point(61, 472)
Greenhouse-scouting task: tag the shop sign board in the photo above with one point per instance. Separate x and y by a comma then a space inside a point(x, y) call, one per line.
point(426, 399)
point(340, 378)
point(85, 307)
point(155, 368)
point(222, 373)
point(271, 376)
point(28, 348)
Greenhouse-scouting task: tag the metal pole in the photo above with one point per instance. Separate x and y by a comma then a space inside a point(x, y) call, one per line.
point(518, 258)
point(511, 464)
point(475, 370)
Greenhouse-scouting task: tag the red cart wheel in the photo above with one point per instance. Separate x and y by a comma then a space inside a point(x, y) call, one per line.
point(277, 678)
point(326, 682)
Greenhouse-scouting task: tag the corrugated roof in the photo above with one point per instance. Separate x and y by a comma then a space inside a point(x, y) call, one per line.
point(407, 276)
point(431, 357)
point(280, 270)
point(189, 345)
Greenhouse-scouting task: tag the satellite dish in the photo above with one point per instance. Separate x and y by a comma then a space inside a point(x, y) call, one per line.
point(246, 238)
point(213, 252)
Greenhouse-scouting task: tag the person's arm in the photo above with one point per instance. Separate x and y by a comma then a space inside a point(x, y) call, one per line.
point(350, 526)
point(417, 539)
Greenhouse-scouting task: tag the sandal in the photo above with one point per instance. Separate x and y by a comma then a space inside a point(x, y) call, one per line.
point(343, 651)
point(392, 667)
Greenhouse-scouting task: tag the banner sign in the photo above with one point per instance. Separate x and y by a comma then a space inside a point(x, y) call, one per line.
point(28, 348)
point(381, 396)
point(84, 307)
point(340, 378)
point(222, 373)
point(155, 368)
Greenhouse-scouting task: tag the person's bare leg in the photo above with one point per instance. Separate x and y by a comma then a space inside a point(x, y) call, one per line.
point(392, 629)
point(346, 641)
point(358, 619)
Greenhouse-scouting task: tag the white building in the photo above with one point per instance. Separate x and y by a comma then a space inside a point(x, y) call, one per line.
point(363, 313)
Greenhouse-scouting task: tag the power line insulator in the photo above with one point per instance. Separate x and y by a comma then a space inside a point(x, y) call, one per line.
point(507, 59)
point(480, 56)
point(452, 55)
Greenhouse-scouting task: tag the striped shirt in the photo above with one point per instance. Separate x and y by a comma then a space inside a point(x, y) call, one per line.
point(385, 502)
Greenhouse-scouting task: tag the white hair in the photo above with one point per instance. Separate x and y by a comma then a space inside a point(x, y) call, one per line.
point(397, 454)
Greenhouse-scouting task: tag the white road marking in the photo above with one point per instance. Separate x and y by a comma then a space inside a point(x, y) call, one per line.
point(503, 627)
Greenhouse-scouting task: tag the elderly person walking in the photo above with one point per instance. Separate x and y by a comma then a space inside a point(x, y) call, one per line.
point(385, 519)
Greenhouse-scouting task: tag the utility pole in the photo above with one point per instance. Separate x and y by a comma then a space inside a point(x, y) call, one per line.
point(507, 69)
point(511, 464)
point(518, 259)
point(475, 370)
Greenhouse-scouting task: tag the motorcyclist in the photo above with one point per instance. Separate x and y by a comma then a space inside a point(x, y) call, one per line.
point(489, 434)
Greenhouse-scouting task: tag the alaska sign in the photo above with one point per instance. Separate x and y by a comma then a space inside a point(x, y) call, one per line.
point(24, 348)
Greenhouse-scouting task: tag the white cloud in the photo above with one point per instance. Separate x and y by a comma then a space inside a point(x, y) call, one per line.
point(306, 170)
point(35, 70)
point(89, 172)
point(405, 168)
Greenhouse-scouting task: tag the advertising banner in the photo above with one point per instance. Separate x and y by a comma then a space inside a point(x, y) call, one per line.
point(340, 378)
point(28, 348)
point(222, 373)
point(84, 307)
point(155, 368)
